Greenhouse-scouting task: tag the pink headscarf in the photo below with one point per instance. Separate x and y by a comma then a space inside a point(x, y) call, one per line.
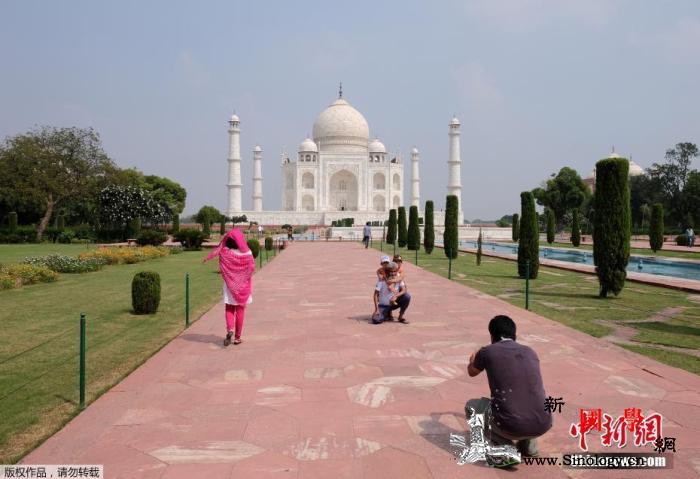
point(236, 269)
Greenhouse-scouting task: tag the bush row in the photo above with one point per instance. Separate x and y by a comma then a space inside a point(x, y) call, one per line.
point(17, 275)
point(126, 255)
point(66, 264)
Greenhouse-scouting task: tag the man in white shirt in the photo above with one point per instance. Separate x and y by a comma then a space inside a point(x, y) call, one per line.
point(366, 234)
point(383, 295)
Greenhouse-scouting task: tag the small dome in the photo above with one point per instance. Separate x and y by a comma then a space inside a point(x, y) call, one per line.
point(308, 145)
point(376, 146)
point(635, 169)
point(614, 155)
point(414, 151)
point(257, 149)
point(454, 121)
point(234, 117)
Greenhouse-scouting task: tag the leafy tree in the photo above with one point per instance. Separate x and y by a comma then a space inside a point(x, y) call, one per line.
point(176, 223)
point(516, 227)
point(429, 233)
point(551, 226)
point(391, 228)
point(244, 219)
point(666, 183)
point(167, 192)
point(529, 248)
point(656, 227)
point(207, 214)
point(413, 239)
point(478, 249)
point(575, 229)
point(50, 166)
point(691, 198)
point(450, 237)
point(563, 192)
point(504, 221)
point(403, 231)
point(222, 225)
point(119, 205)
point(611, 230)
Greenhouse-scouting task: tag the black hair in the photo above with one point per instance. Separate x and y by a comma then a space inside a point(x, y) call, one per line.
point(231, 243)
point(501, 326)
point(367, 223)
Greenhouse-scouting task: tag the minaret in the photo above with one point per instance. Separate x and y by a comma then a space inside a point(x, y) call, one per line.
point(454, 183)
point(257, 179)
point(415, 179)
point(234, 167)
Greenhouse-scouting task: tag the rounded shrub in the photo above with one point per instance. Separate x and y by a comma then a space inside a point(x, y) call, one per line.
point(151, 237)
point(683, 240)
point(268, 243)
point(145, 292)
point(254, 246)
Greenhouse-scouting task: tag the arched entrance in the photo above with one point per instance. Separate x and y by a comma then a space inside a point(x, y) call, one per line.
point(343, 191)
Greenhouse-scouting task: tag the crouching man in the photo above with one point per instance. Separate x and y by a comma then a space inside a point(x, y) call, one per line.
point(515, 412)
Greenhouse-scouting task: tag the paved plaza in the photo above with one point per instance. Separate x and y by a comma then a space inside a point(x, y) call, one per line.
point(315, 391)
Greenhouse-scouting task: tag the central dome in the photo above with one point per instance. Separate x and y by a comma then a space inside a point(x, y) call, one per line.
point(341, 124)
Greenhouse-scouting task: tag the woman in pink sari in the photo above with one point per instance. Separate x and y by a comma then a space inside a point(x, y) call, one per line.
point(236, 264)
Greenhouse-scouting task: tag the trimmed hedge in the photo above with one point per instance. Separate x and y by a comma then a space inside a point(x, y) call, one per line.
point(611, 224)
point(656, 227)
point(145, 292)
point(413, 239)
point(529, 248)
point(190, 238)
point(403, 230)
point(151, 237)
point(429, 233)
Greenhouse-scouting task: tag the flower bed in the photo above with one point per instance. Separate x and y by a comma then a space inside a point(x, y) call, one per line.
point(126, 255)
point(17, 275)
point(66, 264)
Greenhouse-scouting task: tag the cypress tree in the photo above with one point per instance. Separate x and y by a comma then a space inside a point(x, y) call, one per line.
point(529, 248)
point(656, 227)
point(413, 240)
point(222, 225)
point(478, 249)
point(391, 228)
point(516, 227)
point(403, 230)
point(611, 224)
point(551, 225)
point(450, 236)
point(60, 222)
point(176, 223)
point(12, 221)
point(575, 229)
point(429, 233)
point(206, 228)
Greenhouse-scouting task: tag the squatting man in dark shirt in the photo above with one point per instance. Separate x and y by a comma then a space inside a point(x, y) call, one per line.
point(515, 412)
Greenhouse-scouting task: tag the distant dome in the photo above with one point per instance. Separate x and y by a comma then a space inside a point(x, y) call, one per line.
point(234, 117)
point(454, 121)
point(414, 151)
point(614, 155)
point(308, 145)
point(377, 146)
point(341, 124)
point(635, 169)
point(257, 148)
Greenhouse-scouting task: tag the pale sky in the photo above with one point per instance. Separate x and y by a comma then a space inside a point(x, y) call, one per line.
point(537, 84)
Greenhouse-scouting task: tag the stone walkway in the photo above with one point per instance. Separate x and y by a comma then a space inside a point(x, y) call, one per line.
point(315, 391)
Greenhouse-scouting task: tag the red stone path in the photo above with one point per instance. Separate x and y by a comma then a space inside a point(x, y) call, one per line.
point(315, 391)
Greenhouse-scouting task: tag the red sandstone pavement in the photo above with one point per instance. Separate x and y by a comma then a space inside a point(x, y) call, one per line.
point(315, 391)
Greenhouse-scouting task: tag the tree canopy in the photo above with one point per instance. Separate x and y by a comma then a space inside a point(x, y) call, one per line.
point(562, 193)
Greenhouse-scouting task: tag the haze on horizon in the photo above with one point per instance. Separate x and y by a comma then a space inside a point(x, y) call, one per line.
point(537, 84)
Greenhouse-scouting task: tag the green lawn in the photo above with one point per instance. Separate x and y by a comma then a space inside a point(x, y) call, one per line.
point(639, 251)
point(571, 298)
point(39, 354)
point(14, 253)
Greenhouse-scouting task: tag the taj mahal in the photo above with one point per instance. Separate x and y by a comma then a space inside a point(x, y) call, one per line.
point(340, 173)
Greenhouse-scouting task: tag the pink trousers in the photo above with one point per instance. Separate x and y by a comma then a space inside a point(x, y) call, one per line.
point(235, 315)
